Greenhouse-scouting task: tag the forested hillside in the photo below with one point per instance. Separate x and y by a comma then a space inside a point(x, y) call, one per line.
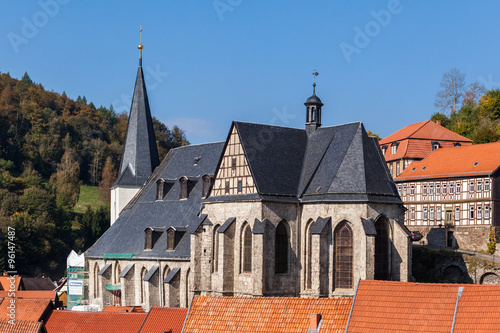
point(49, 146)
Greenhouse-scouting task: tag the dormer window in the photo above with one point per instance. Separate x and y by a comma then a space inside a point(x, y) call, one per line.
point(435, 145)
point(183, 188)
point(174, 236)
point(151, 236)
point(394, 148)
point(160, 189)
point(384, 150)
point(457, 144)
point(207, 182)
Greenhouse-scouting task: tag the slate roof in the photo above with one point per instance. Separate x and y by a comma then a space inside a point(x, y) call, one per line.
point(337, 163)
point(127, 235)
point(467, 161)
point(37, 283)
point(265, 314)
point(140, 154)
point(94, 322)
point(164, 319)
point(415, 140)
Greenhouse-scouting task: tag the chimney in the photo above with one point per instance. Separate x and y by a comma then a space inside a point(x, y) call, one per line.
point(314, 320)
point(438, 122)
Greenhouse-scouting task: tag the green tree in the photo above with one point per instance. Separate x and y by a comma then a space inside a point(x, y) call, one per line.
point(108, 178)
point(66, 181)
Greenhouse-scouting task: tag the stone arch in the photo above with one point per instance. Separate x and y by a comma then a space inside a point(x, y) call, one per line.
point(490, 278)
point(308, 255)
point(454, 274)
point(382, 248)
point(97, 290)
point(344, 256)
point(246, 248)
point(282, 247)
point(117, 272)
point(188, 287)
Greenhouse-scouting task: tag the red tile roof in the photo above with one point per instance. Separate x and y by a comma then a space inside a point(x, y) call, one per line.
point(455, 162)
point(94, 322)
point(163, 319)
point(5, 282)
point(478, 309)
point(382, 306)
point(112, 308)
point(42, 294)
point(265, 314)
point(415, 141)
point(25, 308)
point(20, 326)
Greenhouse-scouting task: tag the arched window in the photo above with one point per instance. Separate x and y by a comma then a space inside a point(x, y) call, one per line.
point(247, 250)
point(159, 189)
point(143, 285)
point(308, 255)
point(382, 249)
point(281, 245)
point(343, 257)
point(96, 281)
point(118, 270)
point(166, 270)
point(215, 251)
point(183, 192)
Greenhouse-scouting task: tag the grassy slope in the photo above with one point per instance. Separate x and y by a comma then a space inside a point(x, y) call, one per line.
point(89, 196)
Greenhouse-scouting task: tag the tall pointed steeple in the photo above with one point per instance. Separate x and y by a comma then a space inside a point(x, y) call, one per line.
point(140, 154)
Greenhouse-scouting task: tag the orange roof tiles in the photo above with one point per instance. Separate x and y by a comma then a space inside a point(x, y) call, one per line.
point(20, 326)
point(163, 319)
point(112, 308)
point(43, 294)
point(455, 162)
point(25, 308)
point(415, 140)
point(5, 281)
point(265, 314)
point(94, 322)
point(478, 309)
point(383, 306)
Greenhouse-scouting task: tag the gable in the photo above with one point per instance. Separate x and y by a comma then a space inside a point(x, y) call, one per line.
point(233, 175)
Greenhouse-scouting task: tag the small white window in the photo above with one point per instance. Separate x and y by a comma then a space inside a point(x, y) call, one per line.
point(471, 187)
point(412, 190)
point(459, 187)
point(451, 188)
point(438, 189)
point(432, 213)
point(444, 189)
point(471, 212)
point(424, 189)
point(431, 189)
point(486, 212)
point(425, 213)
point(397, 169)
point(438, 213)
point(399, 190)
point(457, 213)
point(486, 185)
point(404, 191)
point(479, 212)
point(394, 148)
point(479, 186)
point(412, 214)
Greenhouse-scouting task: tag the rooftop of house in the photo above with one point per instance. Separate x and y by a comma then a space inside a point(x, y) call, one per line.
point(415, 141)
point(467, 161)
point(266, 314)
point(94, 322)
point(38, 294)
point(164, 319)
point(27, 309)
point(112, 308)
point(21, 326)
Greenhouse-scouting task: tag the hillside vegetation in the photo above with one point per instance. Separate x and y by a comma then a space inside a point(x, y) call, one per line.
point(51, 145)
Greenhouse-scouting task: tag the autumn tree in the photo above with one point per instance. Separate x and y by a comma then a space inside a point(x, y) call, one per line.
point(108, 178)
point(66, 181)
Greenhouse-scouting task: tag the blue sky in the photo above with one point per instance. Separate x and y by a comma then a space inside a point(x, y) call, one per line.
point(210, 62)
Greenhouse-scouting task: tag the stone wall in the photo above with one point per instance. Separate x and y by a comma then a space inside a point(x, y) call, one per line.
point(472, 238)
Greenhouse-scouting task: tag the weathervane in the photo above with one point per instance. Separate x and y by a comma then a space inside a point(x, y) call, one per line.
point(315, 73)
point(140, 47)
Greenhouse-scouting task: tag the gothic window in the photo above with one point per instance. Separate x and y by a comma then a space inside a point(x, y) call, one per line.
point(343, 257)
point(308, 255)
point(96, 281)
point(143, 285)
point(118, 270)
point(166, 270)
point(247, 250)
point(281, 245)
point(159, 189)
point(215, 252)
point(170, 239)
point(381, 249)
point(148, 242)
point(183, 193)
point(206, 185)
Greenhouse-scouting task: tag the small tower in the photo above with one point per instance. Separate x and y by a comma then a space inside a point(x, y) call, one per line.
point(313, 110)
point(140, 154)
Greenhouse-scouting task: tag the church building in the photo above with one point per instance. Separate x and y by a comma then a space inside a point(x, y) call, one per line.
point(271, 211)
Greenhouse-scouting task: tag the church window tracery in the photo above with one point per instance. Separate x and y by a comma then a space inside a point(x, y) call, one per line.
point(281, 249)
point(343, 256)
point(247, 250)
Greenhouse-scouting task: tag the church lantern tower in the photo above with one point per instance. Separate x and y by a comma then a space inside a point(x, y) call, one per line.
point(313, 110)
point(140, 154)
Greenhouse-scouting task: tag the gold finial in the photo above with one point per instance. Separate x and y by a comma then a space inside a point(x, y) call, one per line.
point(140, 47)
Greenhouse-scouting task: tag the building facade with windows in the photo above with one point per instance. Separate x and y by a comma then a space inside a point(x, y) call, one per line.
point(272, 211)
point(414, 142)
point(452, 196)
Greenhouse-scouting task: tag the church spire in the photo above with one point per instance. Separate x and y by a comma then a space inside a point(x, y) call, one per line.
point(313, 109)
point(140, 154)
point(140, 47)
